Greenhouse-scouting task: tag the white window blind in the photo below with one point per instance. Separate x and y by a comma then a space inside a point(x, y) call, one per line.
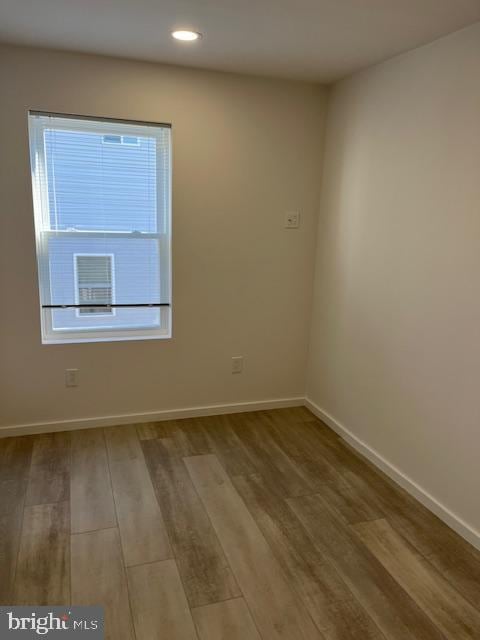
point(101, 191)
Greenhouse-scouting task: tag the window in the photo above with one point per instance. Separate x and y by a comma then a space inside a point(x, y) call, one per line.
point(101, 191)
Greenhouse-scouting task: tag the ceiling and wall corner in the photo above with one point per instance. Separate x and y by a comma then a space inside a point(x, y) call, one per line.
point(315, 40)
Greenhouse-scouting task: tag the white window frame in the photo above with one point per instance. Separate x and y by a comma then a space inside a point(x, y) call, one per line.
point(101, 314)
point(43, 232)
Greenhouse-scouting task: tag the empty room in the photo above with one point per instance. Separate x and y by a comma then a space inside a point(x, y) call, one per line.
point(239, 267)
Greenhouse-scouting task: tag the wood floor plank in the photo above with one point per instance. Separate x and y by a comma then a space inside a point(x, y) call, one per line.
point(452, 556)
point(344, 496)
point(277, 610)
point(190, 437)
point(226, 445)
point(269, 459)
point(187, 434)
point(295, 414)
point(147, 431)
point(167, 428)
point(142, 529)
point(15, 458)
point(225, 620)
point(203, 567)
point(154, 430)
point(317, 470)
point(123, 443)
point(50, 469)
point(10, 530)
point(333, 607)
point(392, 609)
point(325, 444)
point(287, 433)
point(159, 605)
point(353, 507)
point(448, 552)
point(43, 571)
point(312, 429)
point(92, 504)
point(15, 461)
point(456, 617)
point(98, 578)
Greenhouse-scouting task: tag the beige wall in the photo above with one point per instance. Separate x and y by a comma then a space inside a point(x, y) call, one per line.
point(395, 343)
point(246, 150)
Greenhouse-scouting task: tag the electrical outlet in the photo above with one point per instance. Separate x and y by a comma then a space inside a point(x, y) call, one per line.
point(292, 220)
point(237, 364)
point(71, 377)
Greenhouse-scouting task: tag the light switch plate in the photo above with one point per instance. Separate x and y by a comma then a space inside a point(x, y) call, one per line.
point(71, 377)
point(237, 364)
point(292, 220)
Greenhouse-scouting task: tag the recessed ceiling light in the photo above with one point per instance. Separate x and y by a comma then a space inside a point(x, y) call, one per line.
point(186, 35)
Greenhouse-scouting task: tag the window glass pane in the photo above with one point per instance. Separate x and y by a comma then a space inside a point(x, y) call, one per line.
point(67, 320)
point(134, 279)
point(98, 186)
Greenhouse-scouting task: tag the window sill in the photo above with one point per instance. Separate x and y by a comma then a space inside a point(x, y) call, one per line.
point(105, 339)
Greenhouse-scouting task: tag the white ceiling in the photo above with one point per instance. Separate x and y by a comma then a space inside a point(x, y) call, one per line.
point(320, 40)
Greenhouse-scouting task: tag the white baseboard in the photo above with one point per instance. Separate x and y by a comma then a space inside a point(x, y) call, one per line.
point(148, 416)
point(451, 519)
